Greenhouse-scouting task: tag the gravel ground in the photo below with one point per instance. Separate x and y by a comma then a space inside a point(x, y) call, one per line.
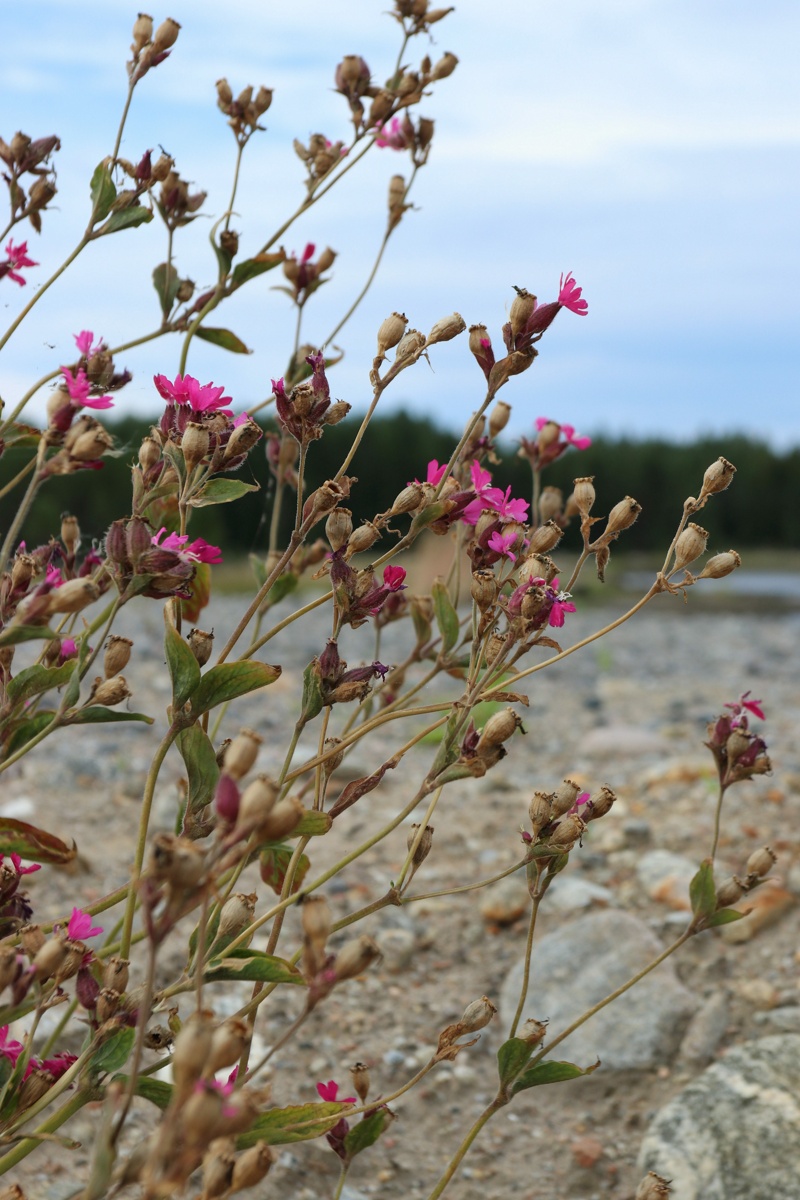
point(629, 711)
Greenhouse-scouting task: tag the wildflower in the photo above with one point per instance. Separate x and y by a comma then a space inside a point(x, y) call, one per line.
point(185, 389)
point(393, 578)
point(329, 1091)
point(553, 440)
point(57, 1066)
point(197, 551)
point(501, 543)
point(12, 1050)
point(753, 706)
point(392, 136)
point(561, 604)
point(79, 387)
point(18, 867)
point(569, 296)
point(434, 473)
point(550, 603)
point(486, 496)
point(80, 926)
point(17, 258)
point(84, 340)
point(510, 510)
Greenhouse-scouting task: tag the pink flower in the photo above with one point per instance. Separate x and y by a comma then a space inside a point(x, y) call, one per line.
point(80, 927)
point(328, 1091)
point(579, 442)
point(187, 390)
point(12, 1050)
point(511, 510)
point(583, 798)
point(52, 577)
point(58, 1065)
point(197, 551)
point(69, 649)
point(501, 543)
point(83, 341)
point(392, 136)
point(435, 473)
point(486, 496)
point(393, 578)
point(18, 867)
point(17, 258)
point(752, 706)
point(569, 296)
point(79, 387)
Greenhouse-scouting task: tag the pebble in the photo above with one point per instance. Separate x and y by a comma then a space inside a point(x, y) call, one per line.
point(767, 905)
point(397, 947)
point(706, 1029)
point(786, 1018)
point(760, 993)
point(732, 1133)
point(666, 877)
point(579, 965)
point(622, 741)
point(568, 893)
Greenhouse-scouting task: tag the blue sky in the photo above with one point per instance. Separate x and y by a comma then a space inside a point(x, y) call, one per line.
point(650, 147)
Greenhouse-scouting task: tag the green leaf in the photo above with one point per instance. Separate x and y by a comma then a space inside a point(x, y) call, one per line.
point(283, 586)
point(222, 491)
point(166, 281)
point(295, 1123)
point(446, 615)
point(512, 1057)
point(36, 680)
point(367, 1131)
point(311, 705)
point(550, 1072)
point(724, 917)
point(254, 965)
point(126, 218)
point(183, 669)
point(154, 1090)
point(200, 760)
point(229, 680)
point(702, 893)
point(274, 861)
point(24, 731)
point(114, 1052)
point(13, 634)
point(223, 338)
point(249, 268)
point(95, 714)
point(102, 192)
point(17, 837)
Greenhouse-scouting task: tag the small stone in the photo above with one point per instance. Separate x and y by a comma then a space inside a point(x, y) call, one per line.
point(568, 893)
point(759, 993)
point(622, 741)
point(587, 1151)
point(397, 947)
point(505, 902)
point(666, 877)
point(786, 1018)
point(767, 905)
point(706, 1029)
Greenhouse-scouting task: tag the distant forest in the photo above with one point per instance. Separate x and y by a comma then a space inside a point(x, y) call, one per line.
point(760, 509)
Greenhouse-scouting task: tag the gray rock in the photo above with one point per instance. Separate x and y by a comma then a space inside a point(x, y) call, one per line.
point(582, 963)
point(666, 876)
point(786, 1018)
point(569, 893)
point(622, 741)
point(734, 1132)
point(706, 1029)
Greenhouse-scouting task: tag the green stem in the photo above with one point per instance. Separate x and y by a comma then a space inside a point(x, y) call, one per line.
point(526, 970)
point(25, 504)
point(463, 1149)
point(36, 297)
point(28, 1144)
point(18, 478)
point(141, 843)
point(340, 1185)
point(717, 817)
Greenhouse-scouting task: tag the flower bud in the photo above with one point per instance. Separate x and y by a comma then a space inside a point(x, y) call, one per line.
point(117, 655)
point(720, 565)
point(257, 802)
point(391, 331)
point(355, 957)
point(446, 329)
point(201, 644)
point(338, 527)
point(551, 503)
point(545, 538)
point(484, 588)
point(761, 862)
point(498, 418)
point(166, 35)
point(72, 596)
point(623, 515)
point(690, 545)
point(115, 973)
point(70, 533)
point(108, 692)
point(584, 494)
point(540, 812)
point(564, 797)
point(359, 1073)
point(476, 1015)
point(718, 477)
point(194, 444)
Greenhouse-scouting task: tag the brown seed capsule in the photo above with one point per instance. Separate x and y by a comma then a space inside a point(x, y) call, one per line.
point(410, 343)
point(720, 565)
point(149, 453)
point(564, 797)
point(72, 596)
point(522, 308)
point(448, 62)
point(761, 862)
point(166, 35)
point(551, 503)
point(532, 1031)
point(584, 494)
point(192, 1048)
point(176, 860)
point(257, 802)
point(32, 939)
point(108, 692)
point(545, 538)
point(718, 477)
point(236, 914)
point(336, 413)
point(108, 1001)
point(540, 812)
point(498, 729)
point(34, 1087)
point(355, 957)
point(498, 418)
point(599, 804)
point(537, 566)
point(338, 527)
point(10, 968)
point(252, 1165)
point(201, 643)
point(218, 1163)
point(194, 444)
point(548, 434)
point(117, 655)
point(653, 1187)
point(424, 844)
point(142, 32)
point(317, 920)
point(22, 571)
point(737, 743)
point(484, 588)
point(729, 892)
point(476, 1015)
point(362, 538)
point(228, 1043)
point(690, 545)
point(49, 958)
point(567, 831)
point(446, 329)
point(391, 331)
point(115, 973)
point(224, 94)
point(623, 515)
point(70, 533)
point(359, 1073)
point(282, 820)
point(241, 754)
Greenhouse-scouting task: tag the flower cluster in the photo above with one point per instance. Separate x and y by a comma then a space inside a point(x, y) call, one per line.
point(551, 442)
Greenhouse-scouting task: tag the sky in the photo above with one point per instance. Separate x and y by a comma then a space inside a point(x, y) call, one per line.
point(649, 147)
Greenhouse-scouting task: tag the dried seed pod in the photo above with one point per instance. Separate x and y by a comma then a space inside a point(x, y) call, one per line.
point(446, 329)
point(718, 477)
point(599, 804)
point(690, 545)
point(545, 538)
point(730, 891)
point(761, 862)
point(201, 643)
point(257, 802)
point(391, 331)
point(540, 811)
point(252, 1165)
point(653, 1187)
point(338, 527)
point(108, 692)
point(236, 914)
point(476, 1015)
point(498, 729)
point(72, 596)
point(720, 565)
point(228, 1043)
point(564, 797)
point(584, 494)
point(195, 443)
point(192, 1048)
point(355, 957)
point(551, 503)
point(622, 515)
point(532, 1031)
point(498, 418)
point(117, 655)
point(115, 973)
point(484, 588)
point(241, 753)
